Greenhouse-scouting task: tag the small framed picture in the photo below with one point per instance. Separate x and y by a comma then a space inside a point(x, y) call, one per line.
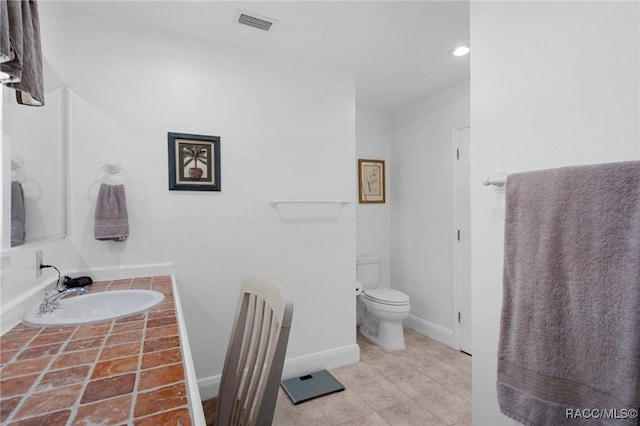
point(371, 181)
point(194, 162)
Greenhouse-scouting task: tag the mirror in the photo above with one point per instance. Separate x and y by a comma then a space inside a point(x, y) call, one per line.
point(35, 140)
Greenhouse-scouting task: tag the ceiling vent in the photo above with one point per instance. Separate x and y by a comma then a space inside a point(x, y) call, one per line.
point(254, 20)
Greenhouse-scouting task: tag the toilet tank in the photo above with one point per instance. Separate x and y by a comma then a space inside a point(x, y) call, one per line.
point(368, 271)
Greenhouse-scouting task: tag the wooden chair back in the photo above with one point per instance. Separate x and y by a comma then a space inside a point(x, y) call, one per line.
point(255, 355)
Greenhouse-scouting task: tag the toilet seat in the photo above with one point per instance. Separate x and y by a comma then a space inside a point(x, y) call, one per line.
point(387, 296)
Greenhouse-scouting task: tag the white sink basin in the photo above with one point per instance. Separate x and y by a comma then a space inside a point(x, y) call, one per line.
point(95, 307)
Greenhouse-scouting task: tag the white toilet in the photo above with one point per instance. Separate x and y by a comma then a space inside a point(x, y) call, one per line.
point(385, 308)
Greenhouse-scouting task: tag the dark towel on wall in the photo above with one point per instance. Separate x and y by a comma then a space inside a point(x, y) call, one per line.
point(20, 43)
point(112, 218)
point(570, 326)
point(17, 214)
point(5, 41)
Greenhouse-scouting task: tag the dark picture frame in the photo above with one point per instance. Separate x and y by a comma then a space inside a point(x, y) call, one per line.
point(371, 181)
point(194, 162)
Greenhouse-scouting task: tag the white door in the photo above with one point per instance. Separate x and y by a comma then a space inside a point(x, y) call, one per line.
point(463, 234)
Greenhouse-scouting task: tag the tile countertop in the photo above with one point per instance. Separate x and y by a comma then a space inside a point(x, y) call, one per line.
point(128, 370)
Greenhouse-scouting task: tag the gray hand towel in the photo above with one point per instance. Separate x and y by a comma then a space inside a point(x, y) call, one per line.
point(17, 214)
point(19, 20)
point(570, 326)
point(5, 41)
point(112, 218)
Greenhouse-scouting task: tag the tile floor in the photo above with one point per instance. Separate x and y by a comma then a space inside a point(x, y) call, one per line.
point(426, 384)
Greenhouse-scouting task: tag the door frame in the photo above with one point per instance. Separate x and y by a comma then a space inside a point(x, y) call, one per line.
point(456, 223)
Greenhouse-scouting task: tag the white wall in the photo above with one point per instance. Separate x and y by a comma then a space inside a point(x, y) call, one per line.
point(373, 141)
point(553, 84)
point(422, 225)
point(288, 131)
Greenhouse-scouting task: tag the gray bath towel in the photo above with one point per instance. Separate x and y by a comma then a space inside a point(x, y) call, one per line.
point(112, 218)
point(19, 20)
point(570, 327)
point(17, 214)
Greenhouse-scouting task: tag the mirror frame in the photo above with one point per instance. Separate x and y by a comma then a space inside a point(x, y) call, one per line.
point(62, 161)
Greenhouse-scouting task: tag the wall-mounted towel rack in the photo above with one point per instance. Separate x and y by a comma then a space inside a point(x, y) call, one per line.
point(498, 180)
point(16, 164)
point(111, 168)
point(276, 202)
point(17, 168)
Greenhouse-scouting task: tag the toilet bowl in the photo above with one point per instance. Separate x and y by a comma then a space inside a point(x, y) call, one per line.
point(385, 308)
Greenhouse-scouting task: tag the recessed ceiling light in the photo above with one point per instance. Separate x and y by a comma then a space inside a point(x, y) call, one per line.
point(460, 49)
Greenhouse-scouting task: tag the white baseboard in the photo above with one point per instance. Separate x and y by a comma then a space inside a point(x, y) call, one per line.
point(333, 358)
point(209, 387)
point(431, 330)
point(129, 271)
point(12, 313)
point(293, 367)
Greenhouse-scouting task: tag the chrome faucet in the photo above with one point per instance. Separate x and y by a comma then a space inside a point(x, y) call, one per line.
point(51, 302)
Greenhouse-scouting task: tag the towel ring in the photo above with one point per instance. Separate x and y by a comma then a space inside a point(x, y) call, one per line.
point(112, 168)
point(17, 167)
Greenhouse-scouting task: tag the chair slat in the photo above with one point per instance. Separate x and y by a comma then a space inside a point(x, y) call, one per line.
point(247, 340)
point(228, 382)
point(246, 337)
point(262, 354)
point(271, 339)
point(255, 344)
